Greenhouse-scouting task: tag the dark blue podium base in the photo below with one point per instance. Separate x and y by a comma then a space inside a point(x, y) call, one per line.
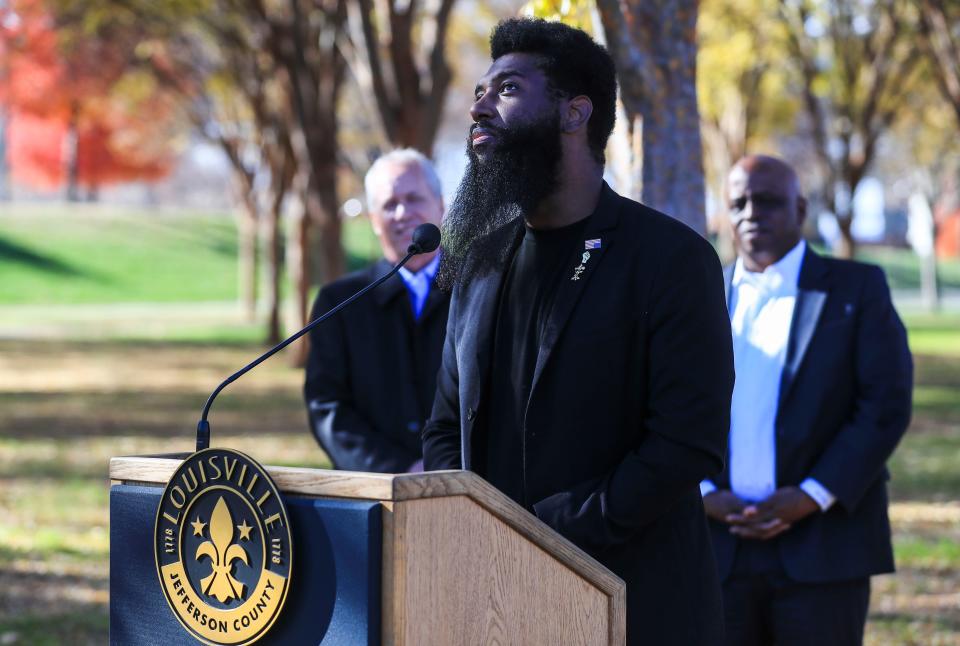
point(334, 595)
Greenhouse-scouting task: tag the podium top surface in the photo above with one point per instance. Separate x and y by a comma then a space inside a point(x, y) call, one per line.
point(387, 487)
point(357, 485)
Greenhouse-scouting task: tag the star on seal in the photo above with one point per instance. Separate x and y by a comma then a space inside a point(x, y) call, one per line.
point(244, 530)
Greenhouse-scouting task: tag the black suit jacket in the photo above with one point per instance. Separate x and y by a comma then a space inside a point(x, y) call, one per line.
point(371, 372)
point(844, 403)
point(628, 410)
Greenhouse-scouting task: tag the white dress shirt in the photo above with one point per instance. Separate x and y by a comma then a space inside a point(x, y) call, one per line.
point(418, 284)
point(762, 306)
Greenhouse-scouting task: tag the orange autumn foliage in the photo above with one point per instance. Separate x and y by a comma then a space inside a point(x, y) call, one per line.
point(71, 116)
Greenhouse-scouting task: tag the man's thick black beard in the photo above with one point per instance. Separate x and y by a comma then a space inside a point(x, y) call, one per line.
point(510, 183)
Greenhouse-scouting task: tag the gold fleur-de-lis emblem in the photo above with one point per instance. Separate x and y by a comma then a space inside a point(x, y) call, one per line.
point(222, 552)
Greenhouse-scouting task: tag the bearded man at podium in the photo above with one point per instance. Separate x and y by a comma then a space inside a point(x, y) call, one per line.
point(588, 369)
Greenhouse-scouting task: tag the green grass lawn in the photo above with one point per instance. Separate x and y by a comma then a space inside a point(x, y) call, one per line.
point(74, 391)
point(54, 254)
point(903, 267)
point(94, 256)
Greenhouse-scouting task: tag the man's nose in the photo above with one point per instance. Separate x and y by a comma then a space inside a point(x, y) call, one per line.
point(747, 212)
point(481, 109)
point(401, 212)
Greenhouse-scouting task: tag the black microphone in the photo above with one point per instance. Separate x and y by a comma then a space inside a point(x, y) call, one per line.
point(426, 238)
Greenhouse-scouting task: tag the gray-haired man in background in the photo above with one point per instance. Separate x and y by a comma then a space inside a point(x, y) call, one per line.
point(371, 373)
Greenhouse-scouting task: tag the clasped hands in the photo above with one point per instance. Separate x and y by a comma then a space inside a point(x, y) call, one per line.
point(761, 520)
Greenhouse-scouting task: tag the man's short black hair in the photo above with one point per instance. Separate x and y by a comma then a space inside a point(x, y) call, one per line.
point(573, 63)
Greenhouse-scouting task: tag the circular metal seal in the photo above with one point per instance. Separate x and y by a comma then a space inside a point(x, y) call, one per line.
point(223, 548)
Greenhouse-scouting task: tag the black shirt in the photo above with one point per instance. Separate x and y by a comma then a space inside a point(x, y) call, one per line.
point(543, 259)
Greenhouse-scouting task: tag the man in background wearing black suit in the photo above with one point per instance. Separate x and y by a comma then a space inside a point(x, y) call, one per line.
point(587, 369)
point(822, 396)
point(371, 372)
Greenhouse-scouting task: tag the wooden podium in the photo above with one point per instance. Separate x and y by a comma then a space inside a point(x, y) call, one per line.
point(415, 559)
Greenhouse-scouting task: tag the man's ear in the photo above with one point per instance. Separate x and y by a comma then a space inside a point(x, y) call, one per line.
point(577, 114)
point(801, 210)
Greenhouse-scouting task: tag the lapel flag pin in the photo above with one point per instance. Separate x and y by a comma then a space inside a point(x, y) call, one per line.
point(591, 244)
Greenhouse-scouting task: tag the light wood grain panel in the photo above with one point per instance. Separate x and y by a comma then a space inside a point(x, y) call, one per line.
point(466, 577)
point(146, 469)
point(451, 483)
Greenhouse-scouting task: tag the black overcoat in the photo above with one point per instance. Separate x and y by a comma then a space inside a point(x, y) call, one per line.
point(371, 372)
point(629, 409)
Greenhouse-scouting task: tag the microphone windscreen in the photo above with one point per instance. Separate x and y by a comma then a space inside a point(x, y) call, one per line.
point(426, 238)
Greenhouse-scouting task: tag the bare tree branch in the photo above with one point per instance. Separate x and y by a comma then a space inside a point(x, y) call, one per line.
point(942, 45)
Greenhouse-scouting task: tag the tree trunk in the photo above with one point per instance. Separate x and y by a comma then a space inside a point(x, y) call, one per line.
point(324, 203)
point(316, 187)
point(929, 283)
point(248, 256)
point(847, 246)
point(299, 267)
point(653, 43)
point(303, 282)
point(844, 210)
point(922, 236)
point(274, 269)
point(315, 67)
point(71, 157)
point(280, 156)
